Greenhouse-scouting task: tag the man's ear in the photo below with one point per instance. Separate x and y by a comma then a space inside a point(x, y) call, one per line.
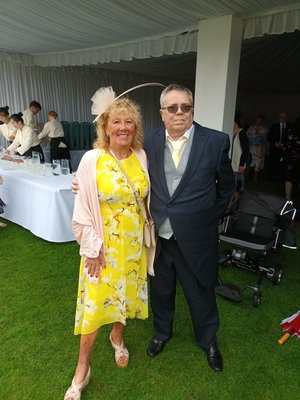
point(161, 114)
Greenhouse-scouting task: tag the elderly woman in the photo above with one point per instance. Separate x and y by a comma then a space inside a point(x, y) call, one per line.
point(26, 140)
point(54, 131)
point(7, 129)
point(108, 224)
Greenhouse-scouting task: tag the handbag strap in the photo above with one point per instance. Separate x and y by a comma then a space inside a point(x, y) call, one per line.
point(135, 192)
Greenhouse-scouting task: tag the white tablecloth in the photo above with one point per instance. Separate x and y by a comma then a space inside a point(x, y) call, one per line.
point(44, 205)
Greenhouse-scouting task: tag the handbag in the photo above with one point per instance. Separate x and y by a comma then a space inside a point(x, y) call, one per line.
point(149, 227)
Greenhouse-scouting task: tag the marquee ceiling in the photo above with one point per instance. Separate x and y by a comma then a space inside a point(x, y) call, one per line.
point(62, 28)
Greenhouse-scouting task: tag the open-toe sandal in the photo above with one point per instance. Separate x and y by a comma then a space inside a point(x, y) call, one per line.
point(121, 352)
point(74, 391)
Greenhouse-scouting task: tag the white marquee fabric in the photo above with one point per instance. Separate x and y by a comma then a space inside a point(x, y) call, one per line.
point(85, 32)
point(52, 51)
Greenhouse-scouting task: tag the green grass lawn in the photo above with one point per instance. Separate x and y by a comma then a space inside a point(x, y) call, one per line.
point(39, 351)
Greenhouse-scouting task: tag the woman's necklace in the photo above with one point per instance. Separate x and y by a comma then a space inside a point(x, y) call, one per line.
point(121, 155)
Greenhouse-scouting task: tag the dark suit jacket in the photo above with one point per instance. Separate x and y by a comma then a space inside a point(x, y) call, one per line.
point(274, 134)
point(199, 200)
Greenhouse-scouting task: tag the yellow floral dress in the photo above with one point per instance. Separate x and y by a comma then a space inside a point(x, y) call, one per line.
point(122, 289)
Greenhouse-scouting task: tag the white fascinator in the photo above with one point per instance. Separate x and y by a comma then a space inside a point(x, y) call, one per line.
point(105, 96)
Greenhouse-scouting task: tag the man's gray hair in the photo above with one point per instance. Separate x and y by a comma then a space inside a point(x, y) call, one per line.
point(177, 88)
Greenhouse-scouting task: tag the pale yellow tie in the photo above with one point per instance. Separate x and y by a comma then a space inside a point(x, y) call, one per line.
point(177, 149)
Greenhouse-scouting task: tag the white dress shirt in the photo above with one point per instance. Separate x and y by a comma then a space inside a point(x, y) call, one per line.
point(24, 140)
point(52, 129)
point(8, 130)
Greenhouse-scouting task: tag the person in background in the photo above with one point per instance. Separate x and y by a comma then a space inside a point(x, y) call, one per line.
point(7, 129)
point(257, 136)
point(277, 137)
point(29, 115)
point(26, 140)
point(2, 205)
point(241, 119)
point(108, 225)
point(191, 185)
point(240, 155)
point(53, 130)
point(291, 159)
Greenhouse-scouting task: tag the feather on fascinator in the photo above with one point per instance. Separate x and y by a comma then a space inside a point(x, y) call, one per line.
point(105, 96)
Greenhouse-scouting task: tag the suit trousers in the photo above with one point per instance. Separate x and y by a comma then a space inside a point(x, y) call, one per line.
point(170, 264)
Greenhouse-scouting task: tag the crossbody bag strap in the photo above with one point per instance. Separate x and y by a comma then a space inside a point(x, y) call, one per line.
point(135, 192)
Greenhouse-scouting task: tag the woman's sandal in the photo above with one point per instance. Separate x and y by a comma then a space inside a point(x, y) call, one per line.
point(74, 391)
point(120, 352)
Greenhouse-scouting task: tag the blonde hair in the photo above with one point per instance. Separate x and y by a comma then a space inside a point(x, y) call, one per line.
point(129, 106)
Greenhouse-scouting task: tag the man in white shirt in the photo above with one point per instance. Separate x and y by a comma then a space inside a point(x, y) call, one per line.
point(28, 115)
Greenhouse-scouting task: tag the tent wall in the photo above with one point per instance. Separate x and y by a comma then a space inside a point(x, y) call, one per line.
point(68, 90)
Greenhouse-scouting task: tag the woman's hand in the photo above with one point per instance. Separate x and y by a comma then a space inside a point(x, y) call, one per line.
point(94, 265)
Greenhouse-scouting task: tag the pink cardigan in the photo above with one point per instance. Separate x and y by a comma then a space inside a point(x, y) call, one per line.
point(87, 220)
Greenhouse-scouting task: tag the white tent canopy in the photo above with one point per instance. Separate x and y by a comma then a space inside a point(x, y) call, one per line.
point(60, 52)
point(84, 32)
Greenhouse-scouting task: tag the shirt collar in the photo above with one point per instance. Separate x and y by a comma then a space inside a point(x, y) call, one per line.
point(186, 133)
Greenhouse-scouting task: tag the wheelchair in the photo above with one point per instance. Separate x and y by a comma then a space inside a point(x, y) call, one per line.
point(260, 224)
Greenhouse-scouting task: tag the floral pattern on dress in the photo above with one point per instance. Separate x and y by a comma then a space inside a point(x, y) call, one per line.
point(257, 143)
point(122, 289)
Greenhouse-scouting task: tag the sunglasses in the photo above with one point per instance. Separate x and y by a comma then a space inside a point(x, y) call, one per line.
point(185, 108)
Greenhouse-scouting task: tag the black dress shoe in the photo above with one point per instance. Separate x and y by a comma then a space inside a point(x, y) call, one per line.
point(155, 347)
point(214, 358)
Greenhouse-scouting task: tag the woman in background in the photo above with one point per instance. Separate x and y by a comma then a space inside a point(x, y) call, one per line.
point(53, 130)
point(240, 155)
point(26, 141)
point(257, 136)
point(7, 129)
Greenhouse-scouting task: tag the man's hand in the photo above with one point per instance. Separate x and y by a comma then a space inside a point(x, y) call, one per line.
point(75, 185)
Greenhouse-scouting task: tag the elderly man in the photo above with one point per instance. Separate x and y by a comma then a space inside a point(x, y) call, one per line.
point(191, 184)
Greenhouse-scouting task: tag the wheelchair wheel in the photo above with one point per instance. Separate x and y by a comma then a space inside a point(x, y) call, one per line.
point(277, 274)
point(256, 299)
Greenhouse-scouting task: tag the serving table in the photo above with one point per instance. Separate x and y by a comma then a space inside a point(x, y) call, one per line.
point(41, 204)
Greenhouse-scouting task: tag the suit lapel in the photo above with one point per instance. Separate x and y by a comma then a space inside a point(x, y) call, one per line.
point(159, 147)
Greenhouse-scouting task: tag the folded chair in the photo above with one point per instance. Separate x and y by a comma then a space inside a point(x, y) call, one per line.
point(261, 224)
